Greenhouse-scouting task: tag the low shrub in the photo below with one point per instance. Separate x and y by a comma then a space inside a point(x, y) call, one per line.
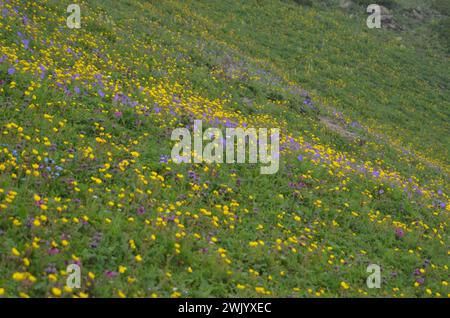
point(443, 6)
point(442, 29)
point(304, 2)
point(385, 3)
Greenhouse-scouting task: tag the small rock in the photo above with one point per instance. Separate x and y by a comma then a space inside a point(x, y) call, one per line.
point(416, 14)
point(386, 16)
point(346, 4)
point(385, 11)
point(387, 19)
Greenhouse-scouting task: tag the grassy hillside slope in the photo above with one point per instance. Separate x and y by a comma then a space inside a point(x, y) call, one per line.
point(86, 176)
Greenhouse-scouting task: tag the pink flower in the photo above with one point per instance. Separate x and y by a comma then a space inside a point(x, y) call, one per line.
point(110, 274)
point(53, 251)
point(141, 210)
point(399, 233)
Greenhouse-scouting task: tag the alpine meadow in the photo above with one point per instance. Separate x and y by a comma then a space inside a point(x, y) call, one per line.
point(94, 203)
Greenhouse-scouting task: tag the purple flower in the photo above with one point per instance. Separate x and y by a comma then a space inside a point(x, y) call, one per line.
point(110, 274)
point(26, 43)
point(308, 102)
point(100, 93)
point(11, 70)
point(118, 114)
point(53, 251)
point(300, 158)
point(163, 159)
point(141, 210)
point(399, 233)
point(51, 269)
point(417, 272)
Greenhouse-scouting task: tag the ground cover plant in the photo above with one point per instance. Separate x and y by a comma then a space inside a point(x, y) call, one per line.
point(86, 175)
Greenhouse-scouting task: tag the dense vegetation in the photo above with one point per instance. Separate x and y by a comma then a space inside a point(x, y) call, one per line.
point(86, 175)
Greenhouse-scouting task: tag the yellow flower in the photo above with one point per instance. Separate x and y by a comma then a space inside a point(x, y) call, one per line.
point(138, 258)
point(26, 262)
point(175, 294)
point(67, 289)
point(52, 277)
point(31, 278)
point(260, 290)
point(344, 285)
point(56, 291)
point(2, 291)
point(15, 251)
point(19, 276)
point(122, 269)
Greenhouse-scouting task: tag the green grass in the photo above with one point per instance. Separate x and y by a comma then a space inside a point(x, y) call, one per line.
point(81, 176)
